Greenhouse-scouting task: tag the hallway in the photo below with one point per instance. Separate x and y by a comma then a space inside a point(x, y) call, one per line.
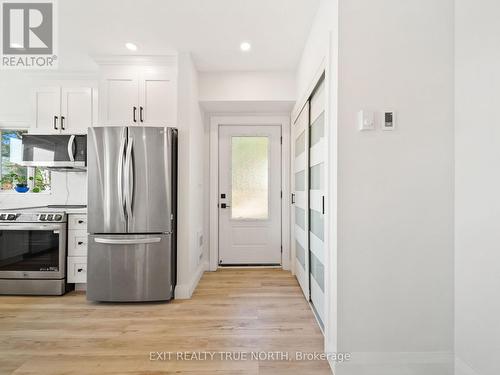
point(232, 310)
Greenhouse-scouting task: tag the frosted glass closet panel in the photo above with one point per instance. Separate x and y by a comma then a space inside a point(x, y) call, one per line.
point(300, 199)
point(317, 156)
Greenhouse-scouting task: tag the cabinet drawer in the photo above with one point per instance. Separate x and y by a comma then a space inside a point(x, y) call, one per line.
point(77, 269)
point(77, 222)
point(77, 243)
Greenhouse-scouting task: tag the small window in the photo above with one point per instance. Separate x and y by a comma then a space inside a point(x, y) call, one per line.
point(11, 173)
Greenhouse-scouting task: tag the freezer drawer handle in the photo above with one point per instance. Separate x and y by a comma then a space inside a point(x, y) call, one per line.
point(132, 241)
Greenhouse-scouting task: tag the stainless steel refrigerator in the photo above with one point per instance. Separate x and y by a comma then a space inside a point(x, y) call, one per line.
point(132, 189)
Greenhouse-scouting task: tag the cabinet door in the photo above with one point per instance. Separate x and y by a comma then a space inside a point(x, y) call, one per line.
point(76, 110)
point(46, 110)
point(157, 98)
point(118, 99)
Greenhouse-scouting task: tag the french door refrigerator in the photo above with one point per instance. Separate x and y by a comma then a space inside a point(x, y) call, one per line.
point(132, 189)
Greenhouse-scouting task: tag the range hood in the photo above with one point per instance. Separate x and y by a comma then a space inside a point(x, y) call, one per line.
point(66, 153)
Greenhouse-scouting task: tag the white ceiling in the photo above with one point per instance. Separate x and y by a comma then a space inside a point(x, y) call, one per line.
point(210, 29)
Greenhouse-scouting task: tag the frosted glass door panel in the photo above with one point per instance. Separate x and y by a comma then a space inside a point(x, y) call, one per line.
point(300, 207)
point(250, 178)
point(317, 157)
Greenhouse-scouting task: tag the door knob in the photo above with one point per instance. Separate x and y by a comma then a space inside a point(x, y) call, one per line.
point(224, 205)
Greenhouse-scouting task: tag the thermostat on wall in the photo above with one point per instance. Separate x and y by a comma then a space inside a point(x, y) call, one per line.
point(366, 120)
point(389, 121)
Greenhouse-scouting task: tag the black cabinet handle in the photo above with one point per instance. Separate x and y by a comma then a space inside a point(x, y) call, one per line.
point(141, 113)
point(293, 198)
point(79, 270)
point(80, 243)
point(224, 205)
point(323, 204)
point(62, 123)
point(81, 221)
point(55, 122)
point(135, 111)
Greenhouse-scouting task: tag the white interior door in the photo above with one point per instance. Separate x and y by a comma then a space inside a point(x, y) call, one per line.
point(317, 193)
point(300, 199)
point(249, 195)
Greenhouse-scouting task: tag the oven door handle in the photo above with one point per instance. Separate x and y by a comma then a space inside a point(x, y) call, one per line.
point(53, 227)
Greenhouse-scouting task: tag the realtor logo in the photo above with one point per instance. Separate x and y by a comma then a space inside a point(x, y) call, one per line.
point(28, 35)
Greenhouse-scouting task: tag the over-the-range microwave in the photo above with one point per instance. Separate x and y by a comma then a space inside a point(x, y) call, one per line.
point(57, 152)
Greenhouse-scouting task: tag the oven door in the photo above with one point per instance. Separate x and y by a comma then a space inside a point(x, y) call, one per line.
point(32, 251)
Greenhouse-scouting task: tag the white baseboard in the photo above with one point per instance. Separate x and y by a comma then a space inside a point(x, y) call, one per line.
point(462, 368)
point(396, 363)
point(185, 291)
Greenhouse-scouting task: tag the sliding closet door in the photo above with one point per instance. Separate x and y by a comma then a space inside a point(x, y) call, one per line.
point(300, 200)
point(317, 157)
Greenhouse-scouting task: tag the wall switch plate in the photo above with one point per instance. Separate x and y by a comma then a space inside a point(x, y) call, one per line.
point(366, 120)
point(389, 120)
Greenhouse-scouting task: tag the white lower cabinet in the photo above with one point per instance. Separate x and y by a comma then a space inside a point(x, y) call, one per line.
point(77, 248)
point(77, 269)
point(77, 243)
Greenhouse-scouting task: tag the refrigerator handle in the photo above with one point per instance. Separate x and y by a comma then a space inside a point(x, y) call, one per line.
point(129, 177)
point(127, 241)
point(121, 151)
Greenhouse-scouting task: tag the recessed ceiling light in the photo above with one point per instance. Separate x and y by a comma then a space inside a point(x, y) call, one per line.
point(245, 46)
point(131, 46)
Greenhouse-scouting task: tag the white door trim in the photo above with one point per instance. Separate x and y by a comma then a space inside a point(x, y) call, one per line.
point(215, 122)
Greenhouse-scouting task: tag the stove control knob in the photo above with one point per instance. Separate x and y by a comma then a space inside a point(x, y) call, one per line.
point(50, 217)
point(57, 217)
point(11, 217)
point(41, 218)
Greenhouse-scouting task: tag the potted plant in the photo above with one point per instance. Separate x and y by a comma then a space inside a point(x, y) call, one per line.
point(39, 183)
point(6, 182)
point(21, 183)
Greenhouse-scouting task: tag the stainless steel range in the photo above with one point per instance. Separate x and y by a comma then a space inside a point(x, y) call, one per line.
point(33, 251)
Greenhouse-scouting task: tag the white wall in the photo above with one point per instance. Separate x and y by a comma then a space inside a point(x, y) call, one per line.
point(247, 92)
point(477, 178)
point(317, 48)
point(247, 86)
point(193, 141)
point(395, 189)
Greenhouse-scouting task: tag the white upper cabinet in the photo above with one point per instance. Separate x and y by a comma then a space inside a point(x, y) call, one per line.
point(157, 98)
point(137, 95)
point(62, 110)
point(47, 110)
point(118, 90)
point(76, 109)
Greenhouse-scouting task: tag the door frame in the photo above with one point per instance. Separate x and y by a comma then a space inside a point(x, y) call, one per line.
point(248, 120)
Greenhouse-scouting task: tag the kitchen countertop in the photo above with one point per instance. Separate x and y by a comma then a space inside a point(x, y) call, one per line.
point(68, 210)
point(76, 211)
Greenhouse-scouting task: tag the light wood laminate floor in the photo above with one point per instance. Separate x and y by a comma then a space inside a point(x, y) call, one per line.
point(232, 310)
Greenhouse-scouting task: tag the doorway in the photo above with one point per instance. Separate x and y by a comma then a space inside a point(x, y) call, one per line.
point(249, 195)
point(249, 191)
